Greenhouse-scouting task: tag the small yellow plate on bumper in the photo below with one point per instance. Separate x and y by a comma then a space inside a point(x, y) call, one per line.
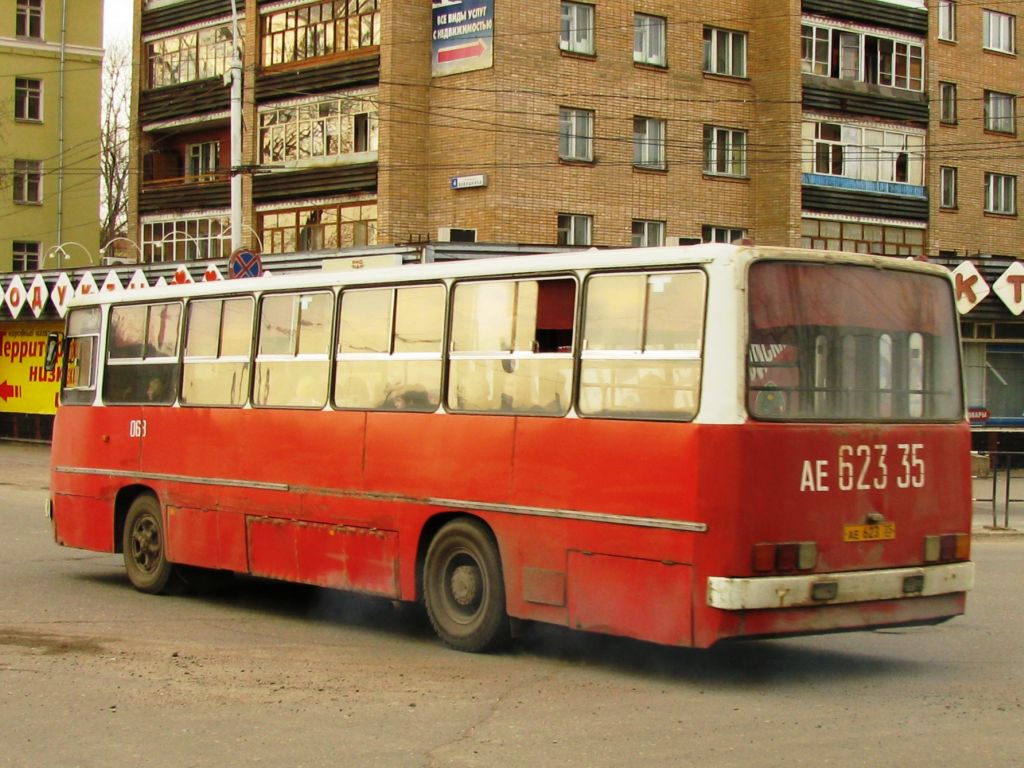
point(876, 532)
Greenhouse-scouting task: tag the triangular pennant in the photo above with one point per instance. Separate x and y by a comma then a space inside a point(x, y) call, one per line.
point(112, 282)
point(212, 274)
point(86, 285)
point(138, 281)
point(182, 276)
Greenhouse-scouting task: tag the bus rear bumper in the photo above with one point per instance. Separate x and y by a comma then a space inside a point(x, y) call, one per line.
point(767, 592)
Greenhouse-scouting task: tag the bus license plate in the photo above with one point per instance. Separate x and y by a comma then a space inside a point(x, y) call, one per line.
point(877, 532)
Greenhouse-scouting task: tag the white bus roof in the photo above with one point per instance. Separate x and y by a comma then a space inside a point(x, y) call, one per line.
point(619, 258)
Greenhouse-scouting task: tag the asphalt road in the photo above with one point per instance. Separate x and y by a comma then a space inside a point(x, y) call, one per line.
point(93, 673)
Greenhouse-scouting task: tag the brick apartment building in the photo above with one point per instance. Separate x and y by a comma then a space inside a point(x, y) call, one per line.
point(822, 122)
point(604, 123)
point(975, 74)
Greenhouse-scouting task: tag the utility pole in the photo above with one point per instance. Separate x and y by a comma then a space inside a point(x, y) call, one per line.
point(234, 75)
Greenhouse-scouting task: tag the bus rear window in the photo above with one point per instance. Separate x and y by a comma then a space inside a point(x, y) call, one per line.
point(835, 342)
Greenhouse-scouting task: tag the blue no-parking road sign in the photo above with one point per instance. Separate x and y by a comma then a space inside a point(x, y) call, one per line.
point(245, 263)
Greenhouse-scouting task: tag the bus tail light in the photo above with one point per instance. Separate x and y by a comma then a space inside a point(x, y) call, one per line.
point(946, 548)
point(785, 558)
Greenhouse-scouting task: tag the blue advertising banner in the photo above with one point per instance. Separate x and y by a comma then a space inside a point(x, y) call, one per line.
point(462, 35)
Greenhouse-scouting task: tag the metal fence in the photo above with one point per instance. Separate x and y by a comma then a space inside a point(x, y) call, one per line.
point(1001, 464)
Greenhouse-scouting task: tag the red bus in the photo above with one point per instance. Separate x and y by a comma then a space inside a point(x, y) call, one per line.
point(681, 445)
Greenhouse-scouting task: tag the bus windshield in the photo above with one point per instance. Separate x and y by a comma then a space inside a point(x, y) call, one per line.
point(841, 342)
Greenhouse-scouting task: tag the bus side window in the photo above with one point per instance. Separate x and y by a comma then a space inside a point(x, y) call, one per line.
point(142, 354)
point(643, 335)
point(389, 348)
point(218, 336)
point(80, 346)
point(292, 357)
point(512, 346)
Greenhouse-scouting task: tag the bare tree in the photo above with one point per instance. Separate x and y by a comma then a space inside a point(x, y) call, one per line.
point(114, 122)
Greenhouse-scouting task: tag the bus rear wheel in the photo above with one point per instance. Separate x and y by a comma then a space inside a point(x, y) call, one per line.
point(145, 552)
point(463, 587)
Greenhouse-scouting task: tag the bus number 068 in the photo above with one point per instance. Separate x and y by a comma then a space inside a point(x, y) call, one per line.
point(863, 467)
point(137, 428)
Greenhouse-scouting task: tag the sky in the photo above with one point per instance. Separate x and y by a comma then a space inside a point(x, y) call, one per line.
point(117, 21)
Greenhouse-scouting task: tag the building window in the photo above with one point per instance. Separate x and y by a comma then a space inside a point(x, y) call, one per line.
point(1000, 193)
point(28, 181)
point(947, 20)
point(725, 52)
point(1000, 112)
point(947, 186)
point(997, 31)
point(947, 103)
point(649, 142)
point(328, 128)
point(816, 50)
point(319, 29)
point(649, 40)
point(869, 154)
point(186, 238)
point(851, 55)
point(648, 234)
point(857, 237)
point(28, 19)
point(28, 99)
point(24, 256)
point(712, 234)
point(190, 56)
point(574, 229)
point(826, 151)
point(725, 151)
point(577, 29)
point(312, 228)
point(203, 161)
point(900, 65)
point(575, 134)
point(364, 132)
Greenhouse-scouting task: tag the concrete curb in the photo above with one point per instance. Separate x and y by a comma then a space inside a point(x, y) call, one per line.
point(988, 532)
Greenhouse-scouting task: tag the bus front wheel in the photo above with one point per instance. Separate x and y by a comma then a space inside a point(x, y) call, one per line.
point(463, 587)
point(145, 552)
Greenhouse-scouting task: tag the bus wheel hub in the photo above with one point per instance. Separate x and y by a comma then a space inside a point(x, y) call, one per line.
point(465, 583)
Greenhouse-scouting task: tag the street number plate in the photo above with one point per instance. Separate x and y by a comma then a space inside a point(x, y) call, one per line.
point(877, 532)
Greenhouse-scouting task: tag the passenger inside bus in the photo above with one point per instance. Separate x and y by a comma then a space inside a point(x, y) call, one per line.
point(409, 399)
point(155, 390)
